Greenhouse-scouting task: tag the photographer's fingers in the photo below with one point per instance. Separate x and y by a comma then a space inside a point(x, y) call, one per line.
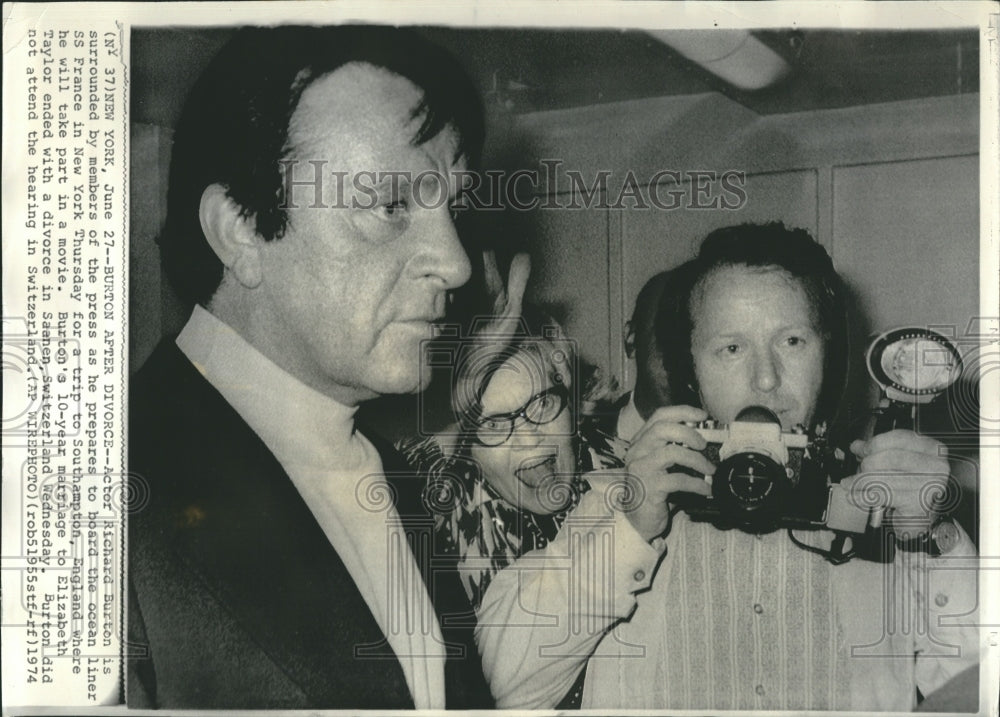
point(896, 460)
point(650, 513)
point(907, 472)
point(909, 496)
point(913, 504)
point(897, 439)
point(679, 437)
point(666, 424)
point(666, 458)
point(680, 483)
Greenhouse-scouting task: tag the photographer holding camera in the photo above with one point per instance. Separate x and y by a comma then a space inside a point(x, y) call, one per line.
point(761, 621)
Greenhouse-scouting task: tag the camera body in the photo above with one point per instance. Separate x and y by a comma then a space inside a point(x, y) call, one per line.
point(767, 478)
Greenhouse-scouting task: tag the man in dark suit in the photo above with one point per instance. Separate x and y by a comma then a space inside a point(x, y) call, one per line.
point(275, 561)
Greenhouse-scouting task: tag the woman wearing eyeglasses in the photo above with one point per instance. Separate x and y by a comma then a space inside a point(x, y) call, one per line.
point(501, 484)
point(501, 481)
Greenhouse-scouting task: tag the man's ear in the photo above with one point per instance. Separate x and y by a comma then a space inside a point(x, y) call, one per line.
point(232, 237)
point(629, 340)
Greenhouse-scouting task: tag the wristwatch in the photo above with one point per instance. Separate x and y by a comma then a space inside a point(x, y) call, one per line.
point(943, 538)
point(940, 540)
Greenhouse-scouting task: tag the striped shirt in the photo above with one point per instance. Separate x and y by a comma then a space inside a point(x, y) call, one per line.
point(744, 622)
point(741, 622)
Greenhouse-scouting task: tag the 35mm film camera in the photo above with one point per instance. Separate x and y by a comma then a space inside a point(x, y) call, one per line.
point(767, 478)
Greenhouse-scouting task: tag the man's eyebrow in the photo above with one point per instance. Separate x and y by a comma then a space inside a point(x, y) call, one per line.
point(389, 180)
point(725, 335)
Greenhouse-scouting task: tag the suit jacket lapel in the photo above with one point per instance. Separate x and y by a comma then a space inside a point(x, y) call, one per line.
point(254, 543)
point(465, 685)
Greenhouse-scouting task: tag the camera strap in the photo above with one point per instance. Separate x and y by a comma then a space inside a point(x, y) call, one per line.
point(837, 553)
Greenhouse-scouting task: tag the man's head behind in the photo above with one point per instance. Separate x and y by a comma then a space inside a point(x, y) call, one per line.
point(764, 321)
point(234, 129)
point(657, 304)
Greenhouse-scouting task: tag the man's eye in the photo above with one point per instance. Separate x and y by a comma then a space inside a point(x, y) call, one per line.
point(730, 350)
point(392, 210)
point(795, 341)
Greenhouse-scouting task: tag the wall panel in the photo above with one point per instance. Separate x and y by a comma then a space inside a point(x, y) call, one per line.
point(906, 234)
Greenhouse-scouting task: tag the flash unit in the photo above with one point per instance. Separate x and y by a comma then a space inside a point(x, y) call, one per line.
point(913, 365)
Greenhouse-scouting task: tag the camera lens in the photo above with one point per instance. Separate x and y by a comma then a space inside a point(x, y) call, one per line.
point(749, 486)
point(748, 482)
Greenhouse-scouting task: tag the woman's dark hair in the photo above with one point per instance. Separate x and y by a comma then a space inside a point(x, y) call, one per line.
point(764, 246)
point(234, 127)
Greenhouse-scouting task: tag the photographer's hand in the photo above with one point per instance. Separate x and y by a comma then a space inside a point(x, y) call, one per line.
point(910, 472)
point(661, 445)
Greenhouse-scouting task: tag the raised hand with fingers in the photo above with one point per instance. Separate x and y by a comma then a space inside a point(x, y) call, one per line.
point(493, 333)
point(909, 472)
point(663, 444)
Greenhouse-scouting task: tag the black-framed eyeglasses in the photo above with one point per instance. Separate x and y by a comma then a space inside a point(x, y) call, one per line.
point(544, 407)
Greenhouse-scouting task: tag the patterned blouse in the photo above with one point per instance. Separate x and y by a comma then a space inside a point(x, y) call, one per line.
point(484, 533)
point(481, 531)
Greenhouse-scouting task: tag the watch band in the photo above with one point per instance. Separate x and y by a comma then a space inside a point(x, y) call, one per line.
point(940, 540)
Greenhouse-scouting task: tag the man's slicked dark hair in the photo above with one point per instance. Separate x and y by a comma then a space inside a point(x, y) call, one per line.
point(763, 246)
point(234, 127)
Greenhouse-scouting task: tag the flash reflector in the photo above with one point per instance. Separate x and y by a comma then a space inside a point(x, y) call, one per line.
point(913, 365)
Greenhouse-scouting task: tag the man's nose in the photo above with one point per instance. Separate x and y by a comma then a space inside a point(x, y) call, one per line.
point(766, 371)
point(445, 257)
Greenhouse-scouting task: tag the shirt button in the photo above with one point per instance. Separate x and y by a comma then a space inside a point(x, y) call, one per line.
point(759, 689)
point(941, 600)
point(639, 575)
point(758, 608)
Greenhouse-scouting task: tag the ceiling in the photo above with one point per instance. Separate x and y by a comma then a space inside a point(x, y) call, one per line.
point(526, 70)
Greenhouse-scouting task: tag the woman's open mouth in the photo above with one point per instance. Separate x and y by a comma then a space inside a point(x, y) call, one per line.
point(535, 470)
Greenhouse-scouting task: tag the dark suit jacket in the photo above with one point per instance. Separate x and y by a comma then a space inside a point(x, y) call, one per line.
point(235, 589)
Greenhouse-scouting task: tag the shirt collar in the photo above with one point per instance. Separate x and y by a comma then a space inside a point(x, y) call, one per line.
point(271, 400)
point(629, 420)
point(334, 469)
